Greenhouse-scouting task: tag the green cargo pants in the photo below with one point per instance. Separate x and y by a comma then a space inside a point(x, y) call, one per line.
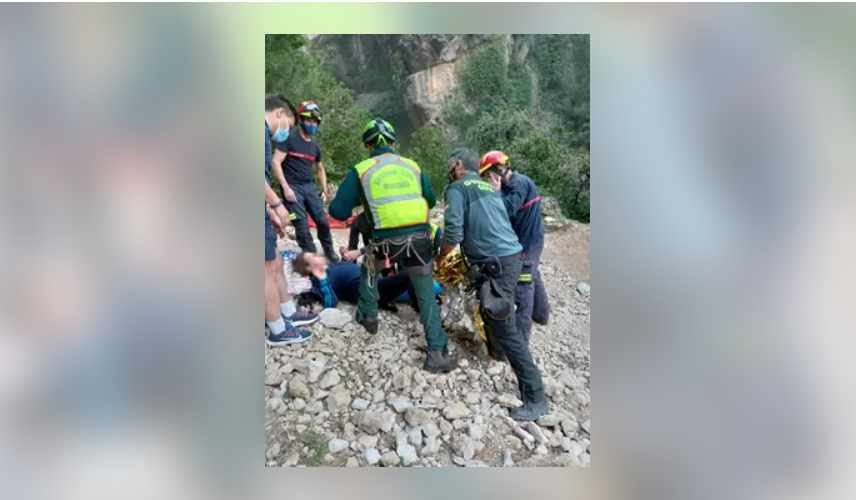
point(421, 278)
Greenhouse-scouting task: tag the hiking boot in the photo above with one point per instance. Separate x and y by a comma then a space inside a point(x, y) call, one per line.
point(291, 335)
point(438, 362)
point(369, 324)
point(302, 317)
point(530, 411)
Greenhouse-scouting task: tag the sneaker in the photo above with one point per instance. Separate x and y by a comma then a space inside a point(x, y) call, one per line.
point(302, 317)
point(291, 335)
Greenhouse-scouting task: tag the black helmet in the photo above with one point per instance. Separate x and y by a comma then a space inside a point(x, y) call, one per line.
point(378, 131)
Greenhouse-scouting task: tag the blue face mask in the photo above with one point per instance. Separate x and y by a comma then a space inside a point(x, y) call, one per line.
point(309, 128)
point(280, 135)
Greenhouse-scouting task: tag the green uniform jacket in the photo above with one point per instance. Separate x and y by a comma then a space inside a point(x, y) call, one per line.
point(476, 218)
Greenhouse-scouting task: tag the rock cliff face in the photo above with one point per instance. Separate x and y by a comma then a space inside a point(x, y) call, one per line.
point(411, 75)
point(426, 90)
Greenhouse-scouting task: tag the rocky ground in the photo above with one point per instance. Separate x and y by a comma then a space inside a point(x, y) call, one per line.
point(350, 399)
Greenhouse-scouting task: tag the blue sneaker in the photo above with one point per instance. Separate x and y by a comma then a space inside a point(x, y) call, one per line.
point(291, 335)
point(302, 317)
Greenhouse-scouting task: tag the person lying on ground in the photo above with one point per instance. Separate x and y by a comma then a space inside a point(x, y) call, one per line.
point(341, 281)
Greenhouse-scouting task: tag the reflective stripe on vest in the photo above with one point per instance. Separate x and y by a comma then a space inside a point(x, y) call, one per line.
point(529, 203)
point(392, 186)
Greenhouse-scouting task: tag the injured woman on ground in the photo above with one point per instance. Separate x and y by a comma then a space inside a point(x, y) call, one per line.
point(341, 281)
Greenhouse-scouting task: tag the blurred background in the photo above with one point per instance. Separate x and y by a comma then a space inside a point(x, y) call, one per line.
point(722, 201)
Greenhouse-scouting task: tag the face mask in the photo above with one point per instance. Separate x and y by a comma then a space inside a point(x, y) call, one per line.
point(309, 128)
point(280, 135)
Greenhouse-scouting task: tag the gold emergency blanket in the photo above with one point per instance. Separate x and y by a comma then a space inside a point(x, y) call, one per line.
point(452, 272)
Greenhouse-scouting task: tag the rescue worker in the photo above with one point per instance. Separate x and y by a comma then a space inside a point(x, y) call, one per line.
point(396, 196)
point(296, 162)
point(476, 219)
point(523, 205)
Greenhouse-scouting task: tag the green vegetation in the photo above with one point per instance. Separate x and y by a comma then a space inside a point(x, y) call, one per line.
point(563, 65)
point(536, 110)
point(430, 148)
point(536, 150)
point(317, 445)
point(300, 76)
point(548, 142)
point(484, 80)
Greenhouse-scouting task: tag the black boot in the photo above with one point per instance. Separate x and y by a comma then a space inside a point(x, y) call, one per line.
point(369, 324)
point(438, 362)
point(530, 411)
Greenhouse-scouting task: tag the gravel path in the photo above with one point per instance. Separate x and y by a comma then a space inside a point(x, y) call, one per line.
point(350, 399)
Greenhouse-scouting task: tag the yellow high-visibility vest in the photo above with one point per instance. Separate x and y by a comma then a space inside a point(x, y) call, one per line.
point(392, 186)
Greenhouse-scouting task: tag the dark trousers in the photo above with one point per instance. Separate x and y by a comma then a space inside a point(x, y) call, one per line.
point(391, 287)
point(308, 202)
point(510, 340)
point(530, 296)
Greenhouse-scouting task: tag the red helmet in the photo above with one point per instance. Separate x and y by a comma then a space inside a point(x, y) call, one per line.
point(492, 159)
point(309, 109)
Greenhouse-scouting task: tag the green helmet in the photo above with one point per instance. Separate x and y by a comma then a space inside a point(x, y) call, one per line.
point(378, 131)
